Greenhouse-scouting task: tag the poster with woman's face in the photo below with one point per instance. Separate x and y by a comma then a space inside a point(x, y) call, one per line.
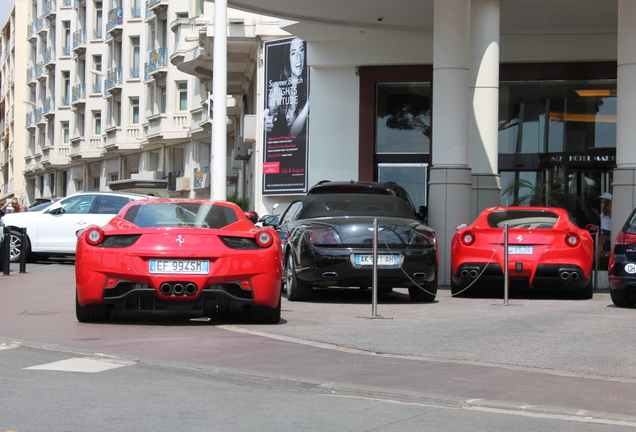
point(286, 117)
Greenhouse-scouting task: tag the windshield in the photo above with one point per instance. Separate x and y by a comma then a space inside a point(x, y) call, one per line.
point(357, 205)
point(181, 214)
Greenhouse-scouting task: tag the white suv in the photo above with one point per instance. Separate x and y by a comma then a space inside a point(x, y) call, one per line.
point(52, 230)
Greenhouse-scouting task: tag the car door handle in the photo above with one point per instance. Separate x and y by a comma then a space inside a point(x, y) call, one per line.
point(81, 222)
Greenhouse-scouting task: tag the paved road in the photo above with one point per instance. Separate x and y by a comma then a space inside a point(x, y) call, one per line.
point(546, 356)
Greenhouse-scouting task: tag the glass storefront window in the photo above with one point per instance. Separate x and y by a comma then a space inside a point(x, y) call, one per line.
point(411, 177)
point(403, 118)
point(557, 116)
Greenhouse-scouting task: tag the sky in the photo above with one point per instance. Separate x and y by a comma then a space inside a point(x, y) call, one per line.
point(5, 9)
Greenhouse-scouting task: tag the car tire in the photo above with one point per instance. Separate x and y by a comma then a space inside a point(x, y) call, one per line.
point(92, 312)
point(17, 247)
point(426, 293)
point(622, 298)
point(296, 289)
point(457, 291)
point(264, 314)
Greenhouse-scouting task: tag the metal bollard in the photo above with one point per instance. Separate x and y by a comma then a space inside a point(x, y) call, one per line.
point(23, 255)
point(5, 252)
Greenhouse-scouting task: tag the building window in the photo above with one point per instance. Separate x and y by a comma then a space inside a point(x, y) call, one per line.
point(162, 99)
point(66, 138)
point(66, 87)
point(97, 74)
point(135, 56)
point(97, 31)
point(134, 110)
point(135, 10)
point(97, 123)
point(182, 96)
point(66, 47)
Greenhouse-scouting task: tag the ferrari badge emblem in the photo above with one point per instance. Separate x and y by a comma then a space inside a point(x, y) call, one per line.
point(180, 240)
point(519, 238)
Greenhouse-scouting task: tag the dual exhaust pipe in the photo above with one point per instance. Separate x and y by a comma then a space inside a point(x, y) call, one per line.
point(178, 288)
point(566, 275)
point(469, 273)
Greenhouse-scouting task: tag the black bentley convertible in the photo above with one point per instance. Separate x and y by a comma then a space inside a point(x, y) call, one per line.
point(330, 244)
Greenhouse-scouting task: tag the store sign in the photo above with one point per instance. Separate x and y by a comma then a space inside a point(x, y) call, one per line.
point(286, 117)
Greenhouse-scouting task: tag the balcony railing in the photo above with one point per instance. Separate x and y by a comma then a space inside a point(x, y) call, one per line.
point(49, 56)
point(48, 105)
point(79, 38)
point(135, 12)
point(49, 7)
point(158, 59)
point(97, 33)
point(30, 30)
point(113, 78)
point(39, 69)
point(115, 18)
point(78, 92)
point(30, 74)
point(29, 118)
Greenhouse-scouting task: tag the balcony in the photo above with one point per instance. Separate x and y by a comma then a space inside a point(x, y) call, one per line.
point(157, 7)
point(168, 127)
point(31, 34)
point(41, 24)
point(48, 106)
point(93, 148)
point(123, 138)
point(39, 118)
point(30, 119)
point(158, 63)
point(40, 71)
point(49, 8)
point(115, 22)
point(49, 58)
point(78, 94)
point(114, 80)
point(202, 177)
point(30, 75)
point(56, 156)
point(79, 40)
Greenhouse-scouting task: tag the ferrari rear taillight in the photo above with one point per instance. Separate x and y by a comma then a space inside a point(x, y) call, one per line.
point(572, 239)
point(264, 239)
point(625, 238)
point(324, 237)
point(94, 236)
point(468, 238)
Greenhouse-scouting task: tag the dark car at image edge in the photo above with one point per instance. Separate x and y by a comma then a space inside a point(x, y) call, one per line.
point(622, 265)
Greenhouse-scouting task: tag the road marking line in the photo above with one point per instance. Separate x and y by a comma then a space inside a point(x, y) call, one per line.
point(87, 365)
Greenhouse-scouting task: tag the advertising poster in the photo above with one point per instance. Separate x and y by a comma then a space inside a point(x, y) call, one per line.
point(286, 118)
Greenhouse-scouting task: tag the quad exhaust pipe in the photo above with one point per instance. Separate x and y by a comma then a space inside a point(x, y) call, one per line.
point(178, 288)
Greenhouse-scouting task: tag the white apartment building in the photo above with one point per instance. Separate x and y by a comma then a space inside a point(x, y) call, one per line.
point(117, 96)
point(13, 45)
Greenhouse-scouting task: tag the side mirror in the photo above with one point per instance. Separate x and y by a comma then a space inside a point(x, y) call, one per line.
point(57, 210)
point(592, 229)
point(284, 235)
point(269, 220)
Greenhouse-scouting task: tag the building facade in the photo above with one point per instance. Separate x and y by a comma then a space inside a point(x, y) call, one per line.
point(114, 98)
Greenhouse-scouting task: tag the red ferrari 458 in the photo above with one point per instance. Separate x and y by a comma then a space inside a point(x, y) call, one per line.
point(179, 255)
point(546, 250)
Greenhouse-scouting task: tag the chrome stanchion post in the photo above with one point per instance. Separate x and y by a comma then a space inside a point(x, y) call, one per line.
point(374, 309)
point(506, 264)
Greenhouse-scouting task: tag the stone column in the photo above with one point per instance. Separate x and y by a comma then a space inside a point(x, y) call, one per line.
point(624, 189)
point(483, 148)
point(450, 179)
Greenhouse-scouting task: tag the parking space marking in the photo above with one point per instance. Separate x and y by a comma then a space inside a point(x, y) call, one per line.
point(86, 365)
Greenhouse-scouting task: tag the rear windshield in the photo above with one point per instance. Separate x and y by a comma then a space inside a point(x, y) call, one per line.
point(528, 219)
point(181, 214)
point(357, 205)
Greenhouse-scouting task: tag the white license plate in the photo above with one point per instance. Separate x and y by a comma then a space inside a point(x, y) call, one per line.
point(520, 250)
point(180, 266)
point(390, 260)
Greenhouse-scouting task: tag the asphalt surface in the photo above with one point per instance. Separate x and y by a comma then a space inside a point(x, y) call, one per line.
point(550, 356)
